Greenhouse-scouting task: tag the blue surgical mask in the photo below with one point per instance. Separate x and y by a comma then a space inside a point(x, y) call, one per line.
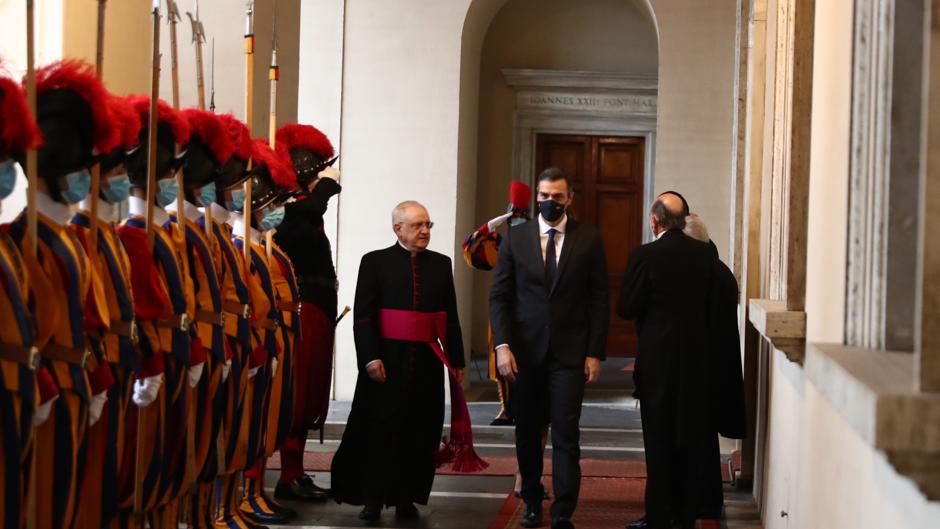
point(118, 189)
point(169, 189)
point(237, 204)
point(272, 218)
point(207, 194)
point(77, 186)
point(7, 178)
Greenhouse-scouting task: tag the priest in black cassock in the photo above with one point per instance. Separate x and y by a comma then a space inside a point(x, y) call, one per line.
point(405, 303)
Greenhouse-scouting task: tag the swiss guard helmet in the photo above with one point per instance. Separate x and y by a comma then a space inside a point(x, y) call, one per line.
point(233, 171)
point(76, 122)
point(18, 132)
point(209, 148)
point(172, 130)
point(270, 176)
point(308, 150)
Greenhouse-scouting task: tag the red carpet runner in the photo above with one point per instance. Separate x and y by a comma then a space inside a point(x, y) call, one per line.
point(603, 503)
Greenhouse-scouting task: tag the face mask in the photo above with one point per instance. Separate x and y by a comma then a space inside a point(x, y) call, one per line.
point(7, 178)
point(169, 189)
point(551, 210)
point(272, 218)
point(119, 188)
point(77, 186)
point(207, 194)
point(238, 200)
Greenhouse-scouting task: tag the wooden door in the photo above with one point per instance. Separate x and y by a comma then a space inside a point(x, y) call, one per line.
point(607, 177)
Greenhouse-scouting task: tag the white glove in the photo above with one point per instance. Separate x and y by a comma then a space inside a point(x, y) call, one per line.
point(252, 372)
point(195, 373)
point(146, 390)
point(96, 406)
point(273, 367)
point(498, 221)
point(43, 411)
point(330, 172)
point(226, 369)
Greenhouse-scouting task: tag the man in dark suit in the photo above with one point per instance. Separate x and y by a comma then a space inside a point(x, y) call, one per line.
point(668, 287)
point(549, 313)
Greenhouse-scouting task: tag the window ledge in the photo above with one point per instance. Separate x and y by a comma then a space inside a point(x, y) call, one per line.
point(874, 391)
point(785, 329)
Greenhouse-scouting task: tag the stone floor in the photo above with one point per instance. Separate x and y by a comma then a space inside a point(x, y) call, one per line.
point(610, 425)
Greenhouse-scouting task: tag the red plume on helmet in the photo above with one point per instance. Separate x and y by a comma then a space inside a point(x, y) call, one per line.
point(239, 135)
point(210, 130)
point(165, 114)
point(296, 136)
point(18, 129)
point(520, 195)
point(282, 173)
point(129, 121)
point(79, 77)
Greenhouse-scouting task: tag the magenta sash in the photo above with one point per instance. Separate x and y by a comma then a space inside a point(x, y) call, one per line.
point(431, 328)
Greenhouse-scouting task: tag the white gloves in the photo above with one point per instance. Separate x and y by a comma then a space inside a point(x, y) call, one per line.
point(96, 406)
point(252, 372)
point(330, 172)
point(226, 369)
point(146, 390)
point(195, 373)
point(498, 221)
point(42, 412)
point(273, 367)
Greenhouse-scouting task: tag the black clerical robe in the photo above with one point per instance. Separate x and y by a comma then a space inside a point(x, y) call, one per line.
point(394, 428)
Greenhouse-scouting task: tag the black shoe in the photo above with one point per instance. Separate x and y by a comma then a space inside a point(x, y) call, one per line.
point(306, 481)
point(643, 523)
point(294, 490)
point(562, 523)
point(264, 518)
point(371, 513)
point(502, 420)
point(281, 510)
point(532, 516)
point(406, 511)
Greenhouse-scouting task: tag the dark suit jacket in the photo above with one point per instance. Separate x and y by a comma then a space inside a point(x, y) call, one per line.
point(667, 290)
point(571, 318)
point(728, 404)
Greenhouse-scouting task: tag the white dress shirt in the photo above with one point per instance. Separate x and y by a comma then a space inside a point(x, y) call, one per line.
point(559, 236)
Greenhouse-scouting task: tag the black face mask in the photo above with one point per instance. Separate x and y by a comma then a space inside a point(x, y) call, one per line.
point(551, 210)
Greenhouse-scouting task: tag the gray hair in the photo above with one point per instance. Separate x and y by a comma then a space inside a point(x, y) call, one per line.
point(695, 228)
point(398, 214)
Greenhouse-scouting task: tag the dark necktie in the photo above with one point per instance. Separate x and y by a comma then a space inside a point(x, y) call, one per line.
point(551, 263)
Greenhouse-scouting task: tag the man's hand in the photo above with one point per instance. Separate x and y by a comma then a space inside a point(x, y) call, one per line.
point(459, 375)
point(330, 172)
point(506, 363)
point(376, 370)
point(592, 369)
point(498, 221)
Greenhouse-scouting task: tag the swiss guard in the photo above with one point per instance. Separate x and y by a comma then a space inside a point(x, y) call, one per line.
point(19, 355)
point(209, 147)
point(480, 249)
point(105, 441)
point(77, 125)
point(271, 179)
point(303, 239)
point(242, 298)
point(154, 469)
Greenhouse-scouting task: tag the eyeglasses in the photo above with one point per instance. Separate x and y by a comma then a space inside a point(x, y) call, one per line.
point(418, 225)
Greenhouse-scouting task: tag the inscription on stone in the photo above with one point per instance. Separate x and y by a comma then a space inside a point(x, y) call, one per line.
point(601, 103)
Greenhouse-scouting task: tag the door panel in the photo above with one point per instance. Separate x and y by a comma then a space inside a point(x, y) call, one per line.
point(607, 178)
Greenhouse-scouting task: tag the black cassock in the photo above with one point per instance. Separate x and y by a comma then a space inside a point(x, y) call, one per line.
point(394, 429)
